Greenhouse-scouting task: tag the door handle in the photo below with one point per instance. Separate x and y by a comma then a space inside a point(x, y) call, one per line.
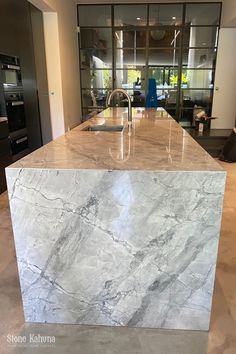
point(18, 141)
point(17, 103)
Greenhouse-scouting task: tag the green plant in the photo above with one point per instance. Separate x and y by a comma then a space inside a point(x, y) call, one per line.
point(174, 79)
point(107, 78)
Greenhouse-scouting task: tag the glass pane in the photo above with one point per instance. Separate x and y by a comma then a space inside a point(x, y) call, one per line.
point(132, 79)
point(198, 78)
point(94, 98)
point(138, 96)
point(199, 98)
point(203, 14)
point(190, 78)
point(126, 58)
point(165, 15)
point(201, 37)
point(96, 38)
point(162, 37)
point(90, 112)
point(158, 75)
point(130, 15)
point(166, 77)
point(130, 39)
point(192, 101)
point(95, 58)
point(186, 117)
point(170, 102)
point(199, 58)
point(96, 78)
point(94, 15)
point(162, 96)
point(163, 57)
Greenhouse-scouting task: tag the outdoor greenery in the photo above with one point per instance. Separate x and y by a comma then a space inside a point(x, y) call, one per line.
point(174, 79)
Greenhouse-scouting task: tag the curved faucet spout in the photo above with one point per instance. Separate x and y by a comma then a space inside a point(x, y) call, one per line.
point(129, 102)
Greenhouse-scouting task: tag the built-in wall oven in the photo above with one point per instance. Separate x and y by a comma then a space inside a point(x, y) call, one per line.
point(10, 72)
point(15, 110)
point(19, 144)
point(14, 107)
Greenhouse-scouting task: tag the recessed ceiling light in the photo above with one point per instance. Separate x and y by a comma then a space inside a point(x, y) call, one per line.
point(173, 18)
point(204, 43)
point(138, 18)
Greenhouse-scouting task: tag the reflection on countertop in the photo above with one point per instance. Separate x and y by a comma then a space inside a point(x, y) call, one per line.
point(156, 143)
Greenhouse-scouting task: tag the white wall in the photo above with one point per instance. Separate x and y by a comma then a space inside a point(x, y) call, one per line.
point(60, 23)
point(224, 102)
point(229, 13)
point(54, 75)
point(69, 54)
point(41, 73)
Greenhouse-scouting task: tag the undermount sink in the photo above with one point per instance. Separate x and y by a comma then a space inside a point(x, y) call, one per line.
point(104, 128)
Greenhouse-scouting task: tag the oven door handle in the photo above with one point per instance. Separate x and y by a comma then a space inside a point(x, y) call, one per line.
point(21, 140)
point(16, 103)
point(12, 67)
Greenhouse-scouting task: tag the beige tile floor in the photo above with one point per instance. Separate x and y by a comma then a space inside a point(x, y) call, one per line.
point(221, 338)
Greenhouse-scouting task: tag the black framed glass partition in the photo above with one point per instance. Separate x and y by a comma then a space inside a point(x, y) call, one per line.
point(96, 56)
point(124, 45)
point(199, 51)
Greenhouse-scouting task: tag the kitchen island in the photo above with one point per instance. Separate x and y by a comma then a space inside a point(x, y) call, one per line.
point(118, 228)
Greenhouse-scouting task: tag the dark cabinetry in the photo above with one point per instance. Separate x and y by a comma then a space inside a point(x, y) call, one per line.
point(16, 40)
point(212, 140)
point(14, 105)
point(5, 152)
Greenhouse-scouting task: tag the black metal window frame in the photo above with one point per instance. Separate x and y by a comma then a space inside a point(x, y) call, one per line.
point(181, 48)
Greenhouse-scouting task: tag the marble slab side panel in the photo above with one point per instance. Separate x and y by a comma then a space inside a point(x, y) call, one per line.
point(119, 248)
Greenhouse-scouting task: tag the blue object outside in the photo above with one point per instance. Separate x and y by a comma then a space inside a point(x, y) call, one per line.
point(151, 99)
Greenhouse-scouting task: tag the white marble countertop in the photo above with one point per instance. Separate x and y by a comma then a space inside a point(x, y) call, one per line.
point(157, 143)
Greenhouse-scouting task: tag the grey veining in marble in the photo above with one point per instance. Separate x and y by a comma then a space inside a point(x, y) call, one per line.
point(119, 248)
point(157, 143)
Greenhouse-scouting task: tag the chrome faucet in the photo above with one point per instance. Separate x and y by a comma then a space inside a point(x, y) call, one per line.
point(129, 102)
